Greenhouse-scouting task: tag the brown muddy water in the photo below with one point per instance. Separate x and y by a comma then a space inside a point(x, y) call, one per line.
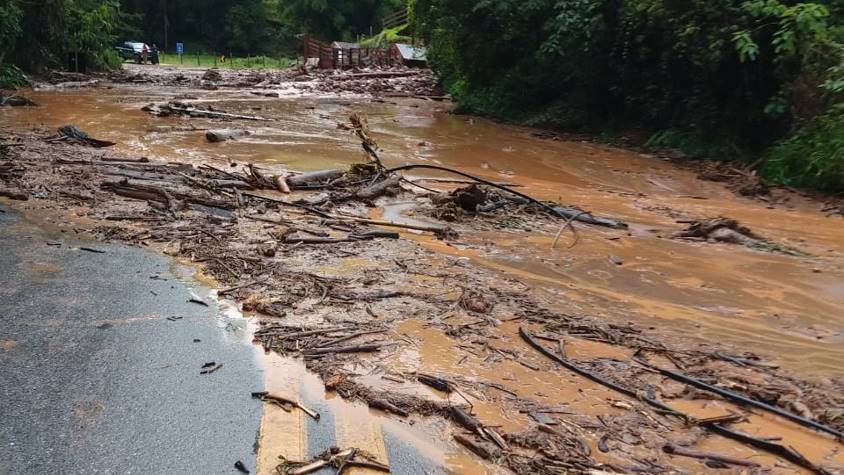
point(788, 309)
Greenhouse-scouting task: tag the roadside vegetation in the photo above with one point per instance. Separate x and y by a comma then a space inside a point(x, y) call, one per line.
point(218, 61)
point(723, 79)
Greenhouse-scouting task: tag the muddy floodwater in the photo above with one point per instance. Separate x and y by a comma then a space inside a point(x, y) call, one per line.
point(789, 309)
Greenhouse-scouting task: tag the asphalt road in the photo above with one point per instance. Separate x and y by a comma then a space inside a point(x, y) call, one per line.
point(95, 379)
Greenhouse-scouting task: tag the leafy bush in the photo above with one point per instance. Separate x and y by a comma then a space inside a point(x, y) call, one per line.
point(813, 157)
point(11, 77)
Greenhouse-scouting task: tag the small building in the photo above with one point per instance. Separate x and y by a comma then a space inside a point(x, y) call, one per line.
point(409, 55)
point(345, 55)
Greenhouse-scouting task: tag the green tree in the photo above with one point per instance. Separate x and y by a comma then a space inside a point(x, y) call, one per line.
point(332, 20)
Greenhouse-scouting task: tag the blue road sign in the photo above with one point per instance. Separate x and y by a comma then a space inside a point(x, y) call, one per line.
point(180, 48)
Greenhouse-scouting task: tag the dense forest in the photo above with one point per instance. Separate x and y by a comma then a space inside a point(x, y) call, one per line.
point(759, 80)
point(754, 80)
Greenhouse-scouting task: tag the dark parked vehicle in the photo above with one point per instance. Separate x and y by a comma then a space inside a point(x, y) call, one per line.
point(138, 52)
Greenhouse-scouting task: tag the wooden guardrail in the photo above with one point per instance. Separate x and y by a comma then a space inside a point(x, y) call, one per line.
point(397, 18)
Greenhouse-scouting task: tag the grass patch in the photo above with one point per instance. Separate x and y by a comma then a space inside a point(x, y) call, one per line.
point(212, 61)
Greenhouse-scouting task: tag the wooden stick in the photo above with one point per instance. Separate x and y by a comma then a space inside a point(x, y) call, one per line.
point(682, 451)
point(265, 396)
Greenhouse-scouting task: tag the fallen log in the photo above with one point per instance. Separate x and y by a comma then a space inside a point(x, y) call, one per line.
point(72, 133)
point(482, 450)
point(588, 218)
point(125, 159)
point(383, 187)
point(368, 348)
point(14, 195)
point(305, 179)
point(221, 135)
point(465, 419)
point(439, 231)
point(387, 406)
point(191, 110)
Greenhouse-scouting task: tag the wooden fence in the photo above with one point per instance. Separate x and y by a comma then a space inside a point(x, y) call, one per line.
point(343, 58)
point(397, 18)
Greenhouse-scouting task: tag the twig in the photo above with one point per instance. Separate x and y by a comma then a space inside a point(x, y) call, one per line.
point(573, 230)
point(265, 396)
point(682, 451)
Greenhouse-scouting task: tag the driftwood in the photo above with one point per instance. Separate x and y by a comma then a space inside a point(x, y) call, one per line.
point(340, 461)
point(465, 419)
point(265, 396)
point(147, 192)
point(125, 159)
point(682, 451)
point(305, 179)
point(221, 135)
point(73, 134)
point(387, 406)
point(14, 195)
point(364, 236)
point(741, 399)
point(368, 348)
point(16, 101)
point(771, 447)
point(350, 337)
point(788, 453)
point(482, 450)
point(267, 182)
point(383, 187)
point(375, 74)
point(439, 231)
point(191, 110)
point(300, 334)
point(558, 211)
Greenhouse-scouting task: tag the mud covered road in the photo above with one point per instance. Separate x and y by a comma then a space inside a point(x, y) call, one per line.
point(433, 321)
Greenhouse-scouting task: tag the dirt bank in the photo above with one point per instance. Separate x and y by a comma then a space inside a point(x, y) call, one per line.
point(417, 323)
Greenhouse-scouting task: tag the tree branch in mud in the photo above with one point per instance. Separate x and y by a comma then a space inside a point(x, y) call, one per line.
point(562, 212)
point(740, 399)
point(786, 452)
point(265, 396)
point(361, 128)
